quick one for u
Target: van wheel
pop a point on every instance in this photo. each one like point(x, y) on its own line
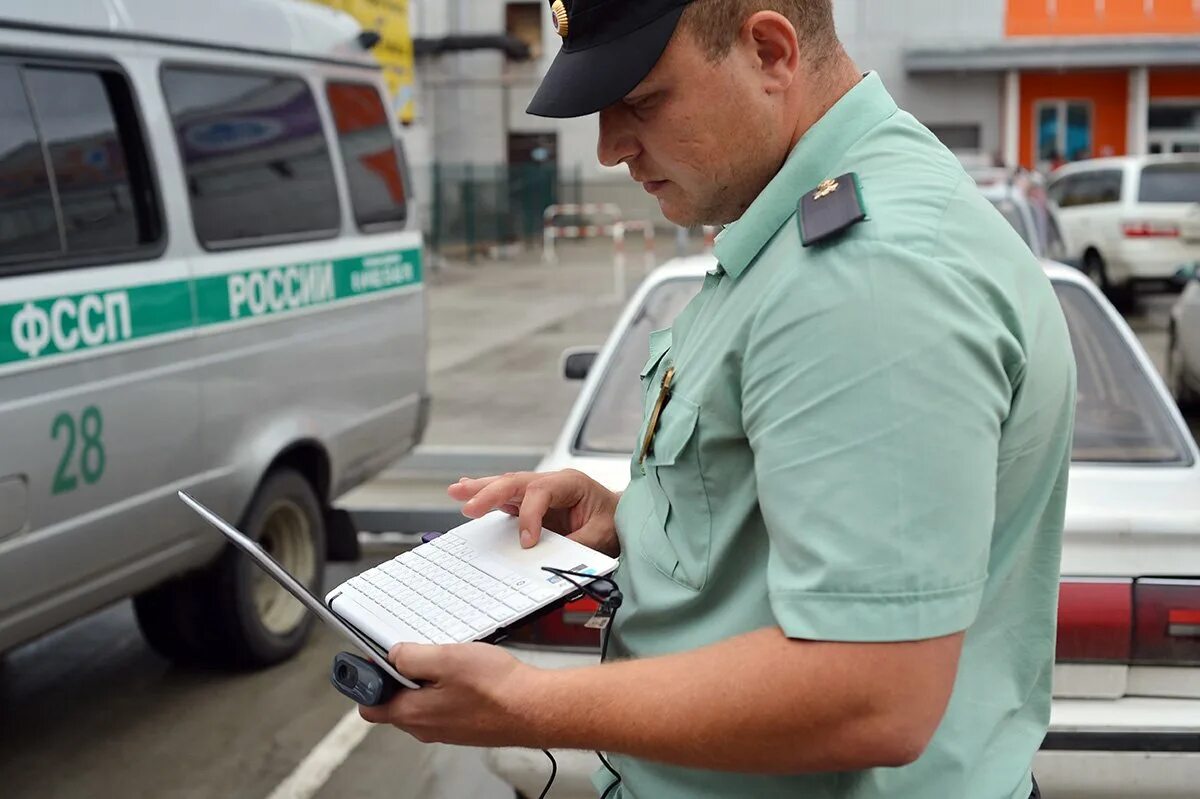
point(1121, 296)
point(231, 614)
point(1093, 268)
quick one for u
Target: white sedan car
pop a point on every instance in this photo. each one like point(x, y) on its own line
point(1126, 713)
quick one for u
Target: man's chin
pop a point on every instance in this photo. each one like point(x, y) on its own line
point(677, 214)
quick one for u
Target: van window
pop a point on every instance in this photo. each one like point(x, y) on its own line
point(1088, 188)
point(74, 176)
point(1106, 187)
point(28, 225)
point(86, 158)
point(1171, 183)
point(1060, 188)
point(369, 154)
point(1076, 190)
point(257, 164)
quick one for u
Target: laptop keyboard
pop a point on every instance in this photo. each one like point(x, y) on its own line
point(450, 593)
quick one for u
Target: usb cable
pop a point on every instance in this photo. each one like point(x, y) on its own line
point(606, 592)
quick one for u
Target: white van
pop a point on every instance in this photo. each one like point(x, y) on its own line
point(210, 280)
point(1130, 220)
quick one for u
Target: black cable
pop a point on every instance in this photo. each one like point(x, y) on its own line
point(553, 774)
point(610, 787)
point(603, 654)
point(601, 589)
point(610, 599)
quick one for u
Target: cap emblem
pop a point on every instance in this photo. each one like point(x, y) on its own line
point(560, 17)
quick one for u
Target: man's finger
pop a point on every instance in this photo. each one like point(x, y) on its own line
point(539, 498)
point(377, 714)
point(507, 490)
point(468, 487)
point(419, 661)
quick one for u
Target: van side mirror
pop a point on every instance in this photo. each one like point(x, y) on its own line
point(577, 362)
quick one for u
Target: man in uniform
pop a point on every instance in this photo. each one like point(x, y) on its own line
point(840, 544)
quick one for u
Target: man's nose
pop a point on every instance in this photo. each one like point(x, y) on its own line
point(617, 143)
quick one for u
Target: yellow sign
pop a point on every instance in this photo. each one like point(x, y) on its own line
point(388, 18)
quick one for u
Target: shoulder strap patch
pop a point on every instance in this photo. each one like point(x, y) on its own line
point(830, 209)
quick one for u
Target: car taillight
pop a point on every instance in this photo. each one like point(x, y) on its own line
point(1167, 625)
point(1095, 620)
point(562, 628)
point(1149, 621)
point(1150, 230)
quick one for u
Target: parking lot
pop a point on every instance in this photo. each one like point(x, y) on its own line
point(91, 711)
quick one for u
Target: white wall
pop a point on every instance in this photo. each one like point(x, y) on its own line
point(877, 32)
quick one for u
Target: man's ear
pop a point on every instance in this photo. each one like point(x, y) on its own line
point(770, 40)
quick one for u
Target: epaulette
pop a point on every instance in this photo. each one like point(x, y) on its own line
point(830, 209)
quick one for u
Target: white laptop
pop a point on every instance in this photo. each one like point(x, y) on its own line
point(474, 583)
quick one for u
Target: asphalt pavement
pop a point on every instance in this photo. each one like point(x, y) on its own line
point(90, 711)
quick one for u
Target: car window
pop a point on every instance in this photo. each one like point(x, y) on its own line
point(369, 154)
point(615, 414)
point(1120, 417)
point(258, 168)
point(1056, 246)
point(1012, 214)
point(1170, 183)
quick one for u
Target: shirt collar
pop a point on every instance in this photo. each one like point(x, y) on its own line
point(825, 143)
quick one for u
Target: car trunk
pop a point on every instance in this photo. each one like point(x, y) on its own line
point(1129, 610)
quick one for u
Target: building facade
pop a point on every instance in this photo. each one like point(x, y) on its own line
point(1027, 82)
point(1081, 78)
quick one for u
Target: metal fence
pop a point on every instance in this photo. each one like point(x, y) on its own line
point(473, 208)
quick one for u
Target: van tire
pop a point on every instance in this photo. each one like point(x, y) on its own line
point(1123, 297)
point(211, 617)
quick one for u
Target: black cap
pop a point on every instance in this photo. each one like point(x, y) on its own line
point(609, 47)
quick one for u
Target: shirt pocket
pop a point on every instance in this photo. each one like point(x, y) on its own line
point(678, 544)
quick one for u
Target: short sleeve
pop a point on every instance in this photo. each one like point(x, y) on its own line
point(875, 385)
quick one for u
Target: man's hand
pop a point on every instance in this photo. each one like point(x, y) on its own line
point(567, 502)
point(472, 696)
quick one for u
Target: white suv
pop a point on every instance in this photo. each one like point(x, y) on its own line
point(1131, 219)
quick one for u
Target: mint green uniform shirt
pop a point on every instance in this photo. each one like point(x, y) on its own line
point(868, 440)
